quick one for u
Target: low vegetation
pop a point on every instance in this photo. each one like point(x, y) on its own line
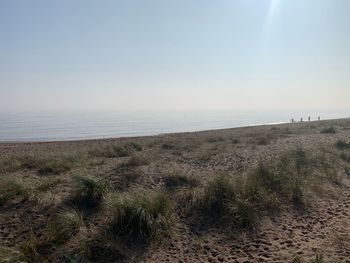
point(57, 165)
point(103, 246)
point(94, 219)
point(110, 152)
point(65, 225)
point(136, 160)
point(91, 189)
point(223, 200)
point(342, 145)
point(179, 145)
point(116, 151)
point(168, 146)
point(11, 188)
point(177, 179)
point(240, 203)
point(263, 140)
point(31, 249)
point(43, 165)
point(9, 255)
point(47, 184)
point(127, 178)
point(345, 156)
point(140, 216)
point(214, 139)
point(330, 130)
point(236, 141)
point(134, 146)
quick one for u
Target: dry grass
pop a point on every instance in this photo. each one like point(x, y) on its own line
point(42, 164)
point(222, 201)
point(214, 139)
point(141, 216)
point(177, 179)
point(240, 203)
point(90, 190)
point(9, 255)
point(65, 225)
point(136, 160)
point(110, 152)
point(121, 220)
point(342, 145)
point(127, 178)
point(329, 130)
point(11, 188)
point(104, 246)
point(116, 151)
point(47, 184)
point(30, 250)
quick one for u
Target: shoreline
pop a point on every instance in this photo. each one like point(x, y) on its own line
point(77, 140)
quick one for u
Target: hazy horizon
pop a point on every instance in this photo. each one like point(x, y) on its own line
point(175, 55)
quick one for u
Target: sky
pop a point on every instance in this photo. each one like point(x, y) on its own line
point(174, 55)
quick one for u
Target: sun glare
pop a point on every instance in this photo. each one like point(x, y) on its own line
point(273, 8)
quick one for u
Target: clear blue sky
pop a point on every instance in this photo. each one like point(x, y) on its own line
point(183, 54)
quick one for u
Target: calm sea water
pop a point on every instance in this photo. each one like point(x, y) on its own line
point(57, 126)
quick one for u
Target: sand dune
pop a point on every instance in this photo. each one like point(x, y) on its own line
point(38, 181)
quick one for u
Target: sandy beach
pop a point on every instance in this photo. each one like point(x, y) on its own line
point(180, 165)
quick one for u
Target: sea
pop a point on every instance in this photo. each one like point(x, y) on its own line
point(36, 126)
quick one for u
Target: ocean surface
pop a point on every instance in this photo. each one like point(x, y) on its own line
point(75, 125)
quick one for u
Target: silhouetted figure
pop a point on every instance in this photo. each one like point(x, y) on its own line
point(319, 118)
point(292, 120)
point(309, 118)
point(301, 120)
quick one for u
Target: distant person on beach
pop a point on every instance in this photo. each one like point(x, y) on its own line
point(319, 118)
point(301, 120)
point(309, 118)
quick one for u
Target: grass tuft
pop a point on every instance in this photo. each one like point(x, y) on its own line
point(329, 130)
point(345, 157)
point(263, 140)
point(43, 165)
point(342, 145)
point(222, 200)
point(11, 188)
point(30, 249)
point(126, 179)
point(110, 152)
point(236, 141)
point(240, 204)
point(9, 255)
point(140, 216)
point(57, 165)
point(177, 180)
point(136, 160)
point(297, 259)
point(347, 170)
point(319, 258)
point(285, 176)
point(105, 246)
point(91, 189)
point(65, 225)
point(116, 151)
point(214, 139)
point(46, 185)
point(135, 146)
point(168, 146)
